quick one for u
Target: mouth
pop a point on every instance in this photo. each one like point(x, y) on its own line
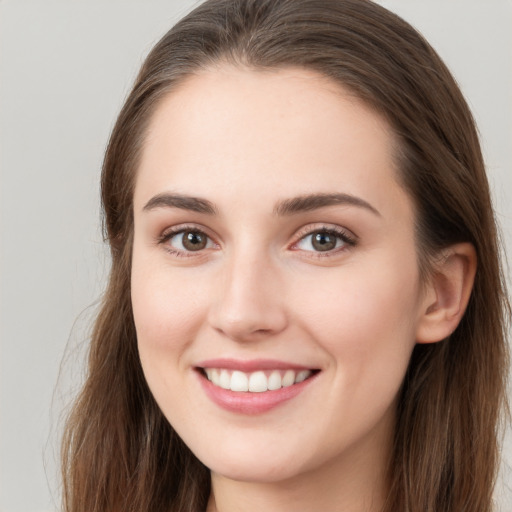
point(253, 387)
point(259, 381)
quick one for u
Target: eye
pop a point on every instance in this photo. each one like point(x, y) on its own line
point(187, 240)
point(325, 240)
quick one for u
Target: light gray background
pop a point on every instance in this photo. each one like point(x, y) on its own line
point(65, 67)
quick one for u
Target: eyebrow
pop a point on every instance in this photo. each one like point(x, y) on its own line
point(194, 204)
point(283, 208)
point(315, 201)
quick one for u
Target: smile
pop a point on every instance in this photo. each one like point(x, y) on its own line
point(253, 387)
point(255, 382)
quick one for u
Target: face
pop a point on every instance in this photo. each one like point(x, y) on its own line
point(275, 283)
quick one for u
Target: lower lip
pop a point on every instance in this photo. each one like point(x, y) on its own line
point(252, 403)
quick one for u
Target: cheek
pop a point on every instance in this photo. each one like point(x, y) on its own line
point(167, 310)
point(168, 314)
point(365, 320)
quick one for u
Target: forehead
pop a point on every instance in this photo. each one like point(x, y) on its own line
point(288, 129)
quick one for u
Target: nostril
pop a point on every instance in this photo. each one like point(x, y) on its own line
point(249, 325)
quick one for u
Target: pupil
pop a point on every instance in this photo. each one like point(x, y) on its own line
point(193, 241)
point(324, 241)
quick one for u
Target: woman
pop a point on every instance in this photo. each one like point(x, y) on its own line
point(305, 309)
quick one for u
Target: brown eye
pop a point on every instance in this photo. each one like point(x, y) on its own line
point(194, 240)
point(189, 240)
point(323, 241)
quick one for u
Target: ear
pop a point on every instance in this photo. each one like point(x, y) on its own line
point(447, 293)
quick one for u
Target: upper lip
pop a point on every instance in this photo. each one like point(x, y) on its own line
point(252, 365)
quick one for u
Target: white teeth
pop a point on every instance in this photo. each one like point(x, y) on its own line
point(302, 375)
point(288, 378)
point(224, 380)
point(274, 381)
point(239, 381)
point(256, 382)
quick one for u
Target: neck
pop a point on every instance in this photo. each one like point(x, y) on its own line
point(355, 482)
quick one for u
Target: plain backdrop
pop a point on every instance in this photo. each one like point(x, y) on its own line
point(65, 67)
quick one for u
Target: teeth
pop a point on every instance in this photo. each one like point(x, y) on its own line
point(302, 375)
point(288, 379)
point(274, 381)
point(239, 381)
point(224, 380)
point(256, 382)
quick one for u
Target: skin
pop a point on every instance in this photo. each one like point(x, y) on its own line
point(245, 141)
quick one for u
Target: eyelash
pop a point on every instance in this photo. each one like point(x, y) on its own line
point(346, 238)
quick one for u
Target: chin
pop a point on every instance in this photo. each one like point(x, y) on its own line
point(263, 471)
point(250, 461)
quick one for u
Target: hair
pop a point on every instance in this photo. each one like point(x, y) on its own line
point(119, 452)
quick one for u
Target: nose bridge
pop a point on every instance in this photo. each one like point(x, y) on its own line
point(249, 302)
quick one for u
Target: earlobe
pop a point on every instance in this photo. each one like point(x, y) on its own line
point(448, 293)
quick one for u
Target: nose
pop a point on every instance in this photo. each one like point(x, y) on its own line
point(250, 304)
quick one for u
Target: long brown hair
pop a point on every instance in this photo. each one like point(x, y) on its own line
point(119, 452)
